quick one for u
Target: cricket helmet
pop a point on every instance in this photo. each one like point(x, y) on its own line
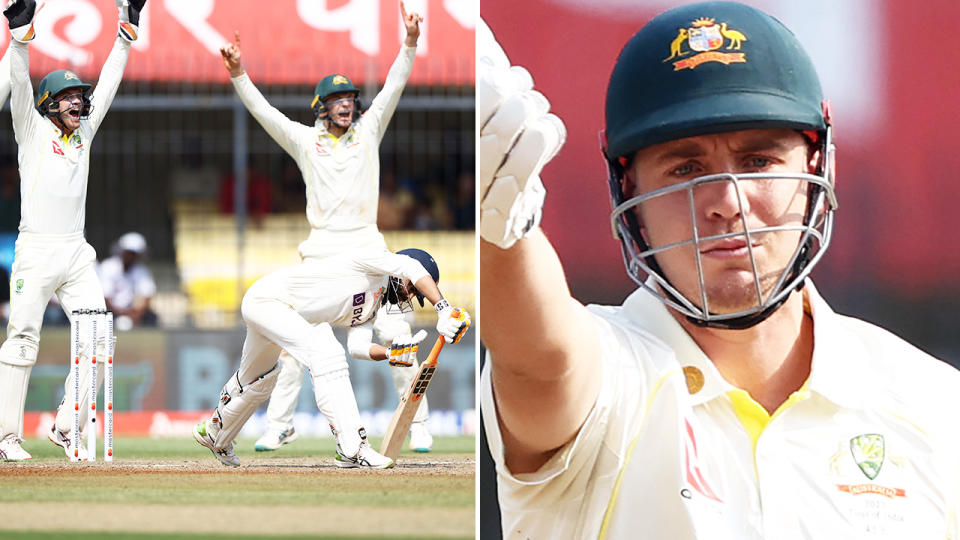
point(396, 283)
point(333, 84)
point(707, 68)
point(56, 82)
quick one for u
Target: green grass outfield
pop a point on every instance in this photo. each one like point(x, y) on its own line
point(175, 488)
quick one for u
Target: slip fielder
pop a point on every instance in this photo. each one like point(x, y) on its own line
point(54, 132)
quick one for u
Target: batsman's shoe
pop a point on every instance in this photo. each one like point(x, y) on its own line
point(272, 440)
point(226, 455)
point(367, 457)
point(10, 449)
point(62, 440)
point(420, 438)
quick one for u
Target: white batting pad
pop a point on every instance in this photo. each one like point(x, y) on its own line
point(239, 402)
point(13, 395)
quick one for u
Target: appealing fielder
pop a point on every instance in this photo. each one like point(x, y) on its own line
point(54, 134)
point(724, 398)
point(339, 160)
point(286, 309)
point(388, 326)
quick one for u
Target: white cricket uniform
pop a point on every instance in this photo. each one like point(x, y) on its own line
point(866, 449)
point(283, 399)
point(342, 175)
point(342, 178)
point(287, 308)
point(51, 254)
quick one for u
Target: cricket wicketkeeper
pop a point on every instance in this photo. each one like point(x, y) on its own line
point(54, 131)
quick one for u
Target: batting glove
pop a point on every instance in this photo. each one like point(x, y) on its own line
point(129, 13)
point(452, 323)
point(19, 14)
point(517, 137)
point(403, 351)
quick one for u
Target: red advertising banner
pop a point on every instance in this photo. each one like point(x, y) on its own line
point(283, 42)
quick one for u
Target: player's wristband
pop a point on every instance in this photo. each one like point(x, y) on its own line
point(441, 305)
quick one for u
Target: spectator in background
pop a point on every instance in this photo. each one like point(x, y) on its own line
point(128, 286)
point(258, 194)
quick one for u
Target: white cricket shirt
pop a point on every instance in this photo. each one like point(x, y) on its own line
point(54, 169)
point(866, 449)
point(342, 175)
point(343, 290)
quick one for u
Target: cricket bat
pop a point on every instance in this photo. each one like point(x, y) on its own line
point(403, 416)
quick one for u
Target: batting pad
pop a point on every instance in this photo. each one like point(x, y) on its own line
point(239, 402)
point(13, 395)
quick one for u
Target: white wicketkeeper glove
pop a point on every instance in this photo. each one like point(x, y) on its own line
point(129, 23)
point(19, 14)
point(452, 323)
point(403, 351)
point(517, 137)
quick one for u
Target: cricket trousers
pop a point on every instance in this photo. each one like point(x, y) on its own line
point(44, 265)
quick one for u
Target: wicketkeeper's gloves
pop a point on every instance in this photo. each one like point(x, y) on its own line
point(452, 323)
point(403, 351)
point(19, 14)
point(517, 137)
point(129, 23)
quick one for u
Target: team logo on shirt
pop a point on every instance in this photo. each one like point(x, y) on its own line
point(19, 286)
point(358, 300)
point(867, 450)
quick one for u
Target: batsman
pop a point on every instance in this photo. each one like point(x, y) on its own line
point(286, 310)
point(54, 132)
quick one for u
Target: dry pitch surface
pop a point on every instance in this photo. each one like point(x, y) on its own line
point(174, 488)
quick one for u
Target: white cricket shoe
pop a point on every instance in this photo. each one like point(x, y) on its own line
point(366, 457)
point(10, 449)
point(420, 438)
point(62, 440)
point(226, 455)
point(272, 440)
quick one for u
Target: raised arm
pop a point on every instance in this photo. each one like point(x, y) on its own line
point(20, 15)
point(543, 343)
point(128, 30)
point(385, 103)
point(110, 76)
point(279, 127)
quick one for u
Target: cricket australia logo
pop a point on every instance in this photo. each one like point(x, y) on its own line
point(705, 36)
point(19, 286)
point(868, 452)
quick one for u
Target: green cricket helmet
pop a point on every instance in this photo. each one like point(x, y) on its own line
point(707, 68)
point(56, 82)
point(333, 84)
